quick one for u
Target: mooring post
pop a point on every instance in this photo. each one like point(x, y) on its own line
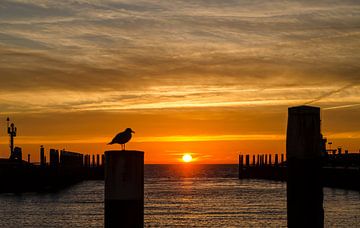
point(253, 161)
point(241, 161)
point(103, 159)
point(42, 156)
point(266, 159)
point(247, 160)
point(282, 160)
point(241, 164)
point(97, 160)
point(276, 163)
point(304, 188)
point(28, 158)
point(124, 189)
point(270, 159)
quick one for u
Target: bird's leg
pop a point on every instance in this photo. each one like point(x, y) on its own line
point(124, 146)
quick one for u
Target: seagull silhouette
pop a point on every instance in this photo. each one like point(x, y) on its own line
point(122, 138)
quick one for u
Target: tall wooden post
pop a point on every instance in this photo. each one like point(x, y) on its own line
point(304, 188)
point(124, 188)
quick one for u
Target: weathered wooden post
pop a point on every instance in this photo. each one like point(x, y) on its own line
point(282, 159)
point(93, 160)
point(241, 164)
point(28, 158)
point(253, 160)
point(266, 159)
point(304, 188)
point(124, 189)
point(42, 156)
point(276, 163)
point(247, 160)
point(97, 160)
point(270, 161)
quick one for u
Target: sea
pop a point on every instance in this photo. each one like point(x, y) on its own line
point(178, 196)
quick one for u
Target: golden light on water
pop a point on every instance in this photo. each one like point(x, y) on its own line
point(187, 158)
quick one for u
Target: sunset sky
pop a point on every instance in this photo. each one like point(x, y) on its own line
point(207, 77)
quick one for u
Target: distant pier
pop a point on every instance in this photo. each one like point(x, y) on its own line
point(339, 170)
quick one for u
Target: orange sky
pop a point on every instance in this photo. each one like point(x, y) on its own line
point(210, 78)
point(210, 135)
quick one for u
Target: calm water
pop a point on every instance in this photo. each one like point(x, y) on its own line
point(183, 195)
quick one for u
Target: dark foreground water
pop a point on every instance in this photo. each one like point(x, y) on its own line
point(181, 195)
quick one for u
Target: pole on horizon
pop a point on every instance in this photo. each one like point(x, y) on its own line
point(241, 164)
point(247, 160)
point(266, 159)
point(42, 156)
point(304, 188)
point(124, 188)
point(276, 163)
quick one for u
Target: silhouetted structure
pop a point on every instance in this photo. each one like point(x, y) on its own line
point(304, 188)
point(124, 189)
point(54, 158)
point(11, 130)
point(42, 156)
point(16, 154)
point(122, 138)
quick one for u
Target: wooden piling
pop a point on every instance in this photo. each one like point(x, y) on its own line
point(247, 160)
point(124, 189)
point(42, 156)
point(266, 159)
point(282, 159)
point(28, 158)
point(276, 162)
point(97, 160)
point(253, 160)
point(304, 189)
point(270, 161)
point(241, 161)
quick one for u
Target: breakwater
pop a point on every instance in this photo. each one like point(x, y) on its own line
point(63, 169)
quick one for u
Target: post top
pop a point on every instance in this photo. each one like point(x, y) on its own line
point(304, 109)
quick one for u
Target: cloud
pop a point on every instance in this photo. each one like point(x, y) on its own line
point(114, 55)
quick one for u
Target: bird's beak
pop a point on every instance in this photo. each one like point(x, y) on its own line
point(133, 132)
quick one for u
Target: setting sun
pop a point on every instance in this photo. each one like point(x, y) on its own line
point(187, 158)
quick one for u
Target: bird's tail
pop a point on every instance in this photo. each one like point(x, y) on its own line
point(110, 143)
